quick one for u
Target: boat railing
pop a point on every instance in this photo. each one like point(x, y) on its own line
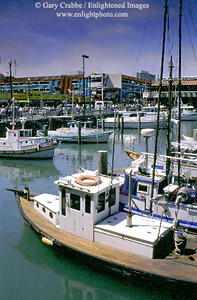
point(172, 157)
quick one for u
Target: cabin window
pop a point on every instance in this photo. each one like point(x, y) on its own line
point(112, 197)
point(43, 209)
point(101, 202)
point(63, 202)
point(143, 188)
point(75, 201)
point(37, 204)
point(88, 204)
point(51, 215)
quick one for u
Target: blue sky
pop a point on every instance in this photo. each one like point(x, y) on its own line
point(44, 44)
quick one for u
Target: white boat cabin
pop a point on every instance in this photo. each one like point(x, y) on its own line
point(88, 207)
point(80, 207)
point(17, 139)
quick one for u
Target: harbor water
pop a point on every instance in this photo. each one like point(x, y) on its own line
point(31, 270)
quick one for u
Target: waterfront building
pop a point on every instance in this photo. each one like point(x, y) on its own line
point(145, 75)
point(118, 88)
point(188, 91)
point(115, 87)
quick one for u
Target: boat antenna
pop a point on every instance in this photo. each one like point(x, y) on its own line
point(179, 93)
point(159, 100)
point(168, 152)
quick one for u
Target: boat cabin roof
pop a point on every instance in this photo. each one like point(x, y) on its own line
point(103, 182)
point(160, 174)
point(145, 228)
point(19, 132)
point(49, 201)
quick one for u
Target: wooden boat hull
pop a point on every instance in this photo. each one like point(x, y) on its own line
point(172, 268)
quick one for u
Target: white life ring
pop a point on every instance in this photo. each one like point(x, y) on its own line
point(88, 180)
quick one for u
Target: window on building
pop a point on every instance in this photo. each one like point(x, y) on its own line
point(88, 204)
point(112, 197)
point(101, 202)
point(75, 201)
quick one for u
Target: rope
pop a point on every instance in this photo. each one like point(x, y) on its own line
point(143, 38)
point(192, 19)
point(190, 36)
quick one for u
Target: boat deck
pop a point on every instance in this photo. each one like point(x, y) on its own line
point(173, 267)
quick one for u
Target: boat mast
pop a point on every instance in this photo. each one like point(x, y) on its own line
point(179, 91)
point(168, 152)
point(159, 100)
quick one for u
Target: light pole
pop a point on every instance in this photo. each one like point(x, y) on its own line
point(10, 68)
point(29, 92)
point(84, 56)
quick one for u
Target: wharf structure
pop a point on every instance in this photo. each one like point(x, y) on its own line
point(117, 88)
point(188, 91)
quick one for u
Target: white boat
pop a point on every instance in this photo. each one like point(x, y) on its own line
point(135, 120)
point(188, 113)
point(88, 135)
point(188, 162)
point(20, 144)
point(85, 217)
point(180, 202)
point(187, 146)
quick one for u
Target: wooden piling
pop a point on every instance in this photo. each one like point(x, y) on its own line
point(139, 121)
point(102, 162)
point(122, 125)
point(103, 124)
point(118, 121)
point(79, 132)
point(195, 134)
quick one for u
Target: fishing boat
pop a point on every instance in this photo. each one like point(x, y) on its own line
point(135, 120)
point(85, 218)
point(80, 131)
point(188, 113)
point(178, 201)
point(187, 160)
point(20, 144)
point(188, 148)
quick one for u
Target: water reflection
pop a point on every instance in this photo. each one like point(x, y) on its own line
point(78, 281)
point(74, 155)
point(22, 171)
point(82, 282)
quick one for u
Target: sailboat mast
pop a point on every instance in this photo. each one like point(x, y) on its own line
point(159, 100)
point(168, 152)
point(179, 92)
